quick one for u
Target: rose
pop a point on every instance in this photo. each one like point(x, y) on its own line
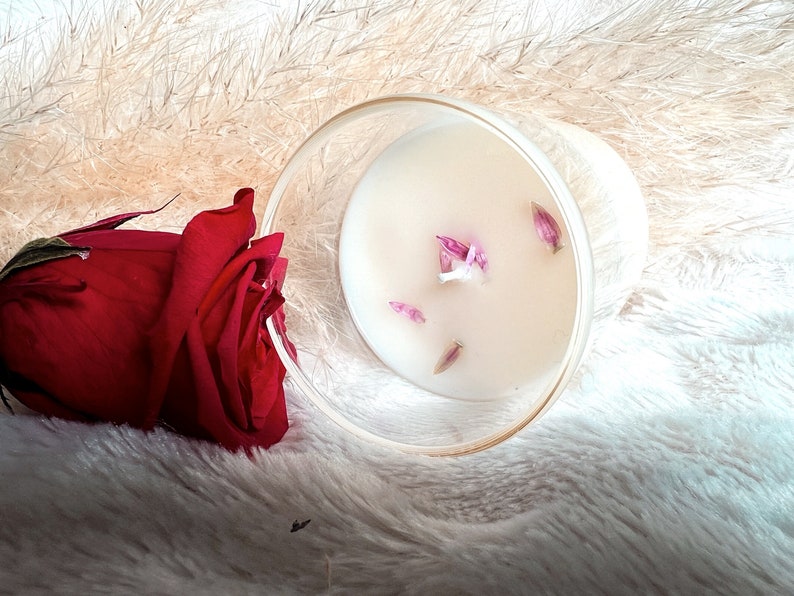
point(140, 327)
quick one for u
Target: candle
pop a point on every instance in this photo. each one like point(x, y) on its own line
point(448, 267)
point(506, 323)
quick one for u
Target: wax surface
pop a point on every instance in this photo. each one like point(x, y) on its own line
point(514, 321)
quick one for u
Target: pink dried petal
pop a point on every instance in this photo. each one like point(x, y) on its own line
point(482, 260)
point(444, 261)
point(454, 247)
point(448, 358)
point(472, 252)
point(480, 257)
point(408, 311)
point(547, 228)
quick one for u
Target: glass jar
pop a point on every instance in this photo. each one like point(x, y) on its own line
point(361, 203)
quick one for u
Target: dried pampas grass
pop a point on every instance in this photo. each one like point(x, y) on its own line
point(130, 103)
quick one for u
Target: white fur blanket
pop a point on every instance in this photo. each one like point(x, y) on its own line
point(666, 467)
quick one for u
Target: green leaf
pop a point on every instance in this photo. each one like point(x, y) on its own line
point(40, 251)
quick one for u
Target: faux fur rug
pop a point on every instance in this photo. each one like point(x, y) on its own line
point(665, 468)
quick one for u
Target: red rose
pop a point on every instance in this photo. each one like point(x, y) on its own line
point(137, 327)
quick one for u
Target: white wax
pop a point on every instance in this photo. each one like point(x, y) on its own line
point(514, 321)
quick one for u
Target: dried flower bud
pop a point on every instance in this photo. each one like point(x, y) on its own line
point(455, 250)
point(547, 228)
point(448, 358)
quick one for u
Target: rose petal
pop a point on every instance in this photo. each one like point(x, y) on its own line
point(194, 406)
point(209, 242)
point(79, 329)
point(222, 326)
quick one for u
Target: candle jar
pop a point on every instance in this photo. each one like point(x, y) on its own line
point(449, 267)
